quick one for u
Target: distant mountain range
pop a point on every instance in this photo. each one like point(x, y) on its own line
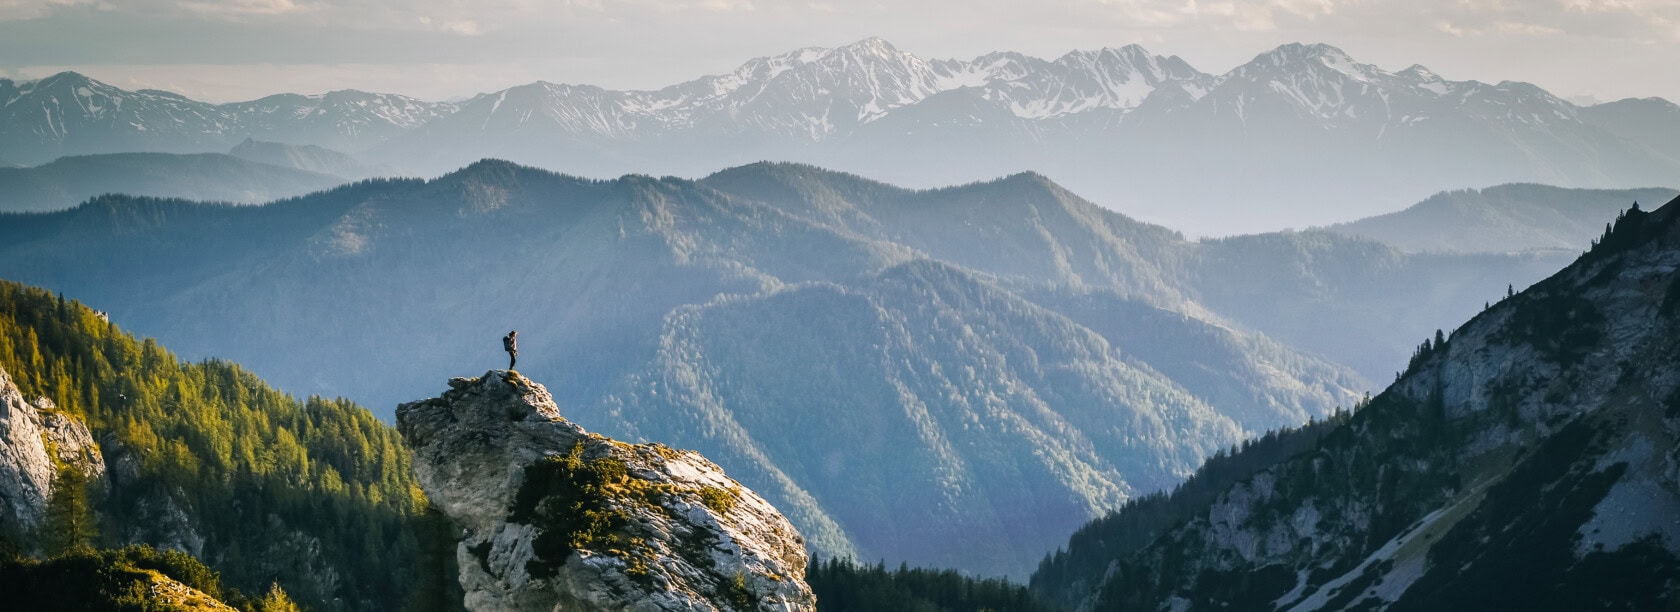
point(1525, 461)
point(1301, 135)
point(70, 114)
point(1005, 357)
point(311, 158)
point(211, 177)
point(1503, 219)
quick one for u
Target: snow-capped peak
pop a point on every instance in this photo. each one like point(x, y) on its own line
point(1296, 57)
point(1425, 79)
point(873, 45)
point(1083, 80)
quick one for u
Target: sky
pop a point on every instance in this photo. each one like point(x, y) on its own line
point(234, 50)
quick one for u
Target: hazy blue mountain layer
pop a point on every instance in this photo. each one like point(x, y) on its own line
point(890, 367)
point(1357, 302)
point(1302, 135)
point(212, 177)
point(1502, 219)
point(307, 157)
point(1534, 445)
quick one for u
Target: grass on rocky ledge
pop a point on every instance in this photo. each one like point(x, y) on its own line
point(587, 503)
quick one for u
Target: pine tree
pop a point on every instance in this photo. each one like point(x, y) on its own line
point(70, 522)
point(275, 600)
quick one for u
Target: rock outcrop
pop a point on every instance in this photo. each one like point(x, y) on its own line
point(25, 469)
point(32, 436)
point(559, 518)
point(1530, 460)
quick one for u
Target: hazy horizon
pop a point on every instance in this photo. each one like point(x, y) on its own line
point(247, 49)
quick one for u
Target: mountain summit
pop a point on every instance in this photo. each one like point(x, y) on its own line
point(558, 518)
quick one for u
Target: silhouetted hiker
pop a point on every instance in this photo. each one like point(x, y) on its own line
point(510, 343)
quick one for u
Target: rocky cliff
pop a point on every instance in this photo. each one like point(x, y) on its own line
point(559, 518)
point(34, 441)
point(1528, 461)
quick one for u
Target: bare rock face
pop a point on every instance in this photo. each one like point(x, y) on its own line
point(27, 431)
point(25, 469)
point(557, 518)
point(71, 441)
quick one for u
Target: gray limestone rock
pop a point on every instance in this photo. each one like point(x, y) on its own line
point(557, 518)
point(26, 470)
point(70, 440)
point(27, 431)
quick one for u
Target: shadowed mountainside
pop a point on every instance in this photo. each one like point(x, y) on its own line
point(967, 343)
point(1535, 444)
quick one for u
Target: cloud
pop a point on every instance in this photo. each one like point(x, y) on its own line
point(243, 7)
point(727, 5)
point(1600, 6)
point(1241, 15)
point(18, 10)
point(1524, 29)
point(1638, 19)
point(1348, 18)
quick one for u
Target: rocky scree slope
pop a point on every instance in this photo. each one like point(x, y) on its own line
point(1540, 446)
point(558, 518)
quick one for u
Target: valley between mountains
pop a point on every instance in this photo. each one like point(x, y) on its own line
point(1037, 332)
point(895, 369)
point(946, 378)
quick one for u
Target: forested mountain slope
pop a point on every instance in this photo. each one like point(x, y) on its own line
point(990, 335)
point(1535, 446)
point(316, 494)
point(1358, 302)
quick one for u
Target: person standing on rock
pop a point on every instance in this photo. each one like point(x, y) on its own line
point(510, 343)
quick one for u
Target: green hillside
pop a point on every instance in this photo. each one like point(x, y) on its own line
point(132, 579)
point(315, 494)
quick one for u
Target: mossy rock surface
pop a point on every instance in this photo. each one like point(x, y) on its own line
point(555, 515)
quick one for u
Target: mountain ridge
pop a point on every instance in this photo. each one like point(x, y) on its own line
point(215, 177)
point(1505, 218)
point(611, 281)
point(1536, 442)
point(648, 301)
point(1301, 128)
